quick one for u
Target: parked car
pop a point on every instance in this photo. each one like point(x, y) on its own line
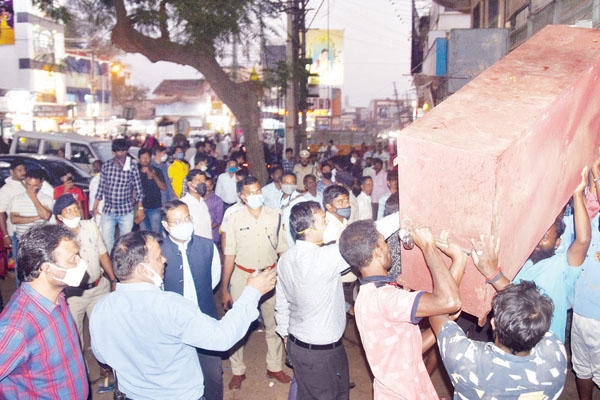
point(52, 167)
point(81, 150)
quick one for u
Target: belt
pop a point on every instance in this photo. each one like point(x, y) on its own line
point(309, 346)
point(251, 271)
point(91, 285)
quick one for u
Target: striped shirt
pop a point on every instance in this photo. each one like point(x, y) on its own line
point(119, 188)
point(40, 356)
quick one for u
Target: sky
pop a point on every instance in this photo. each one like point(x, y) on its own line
point(376, 49)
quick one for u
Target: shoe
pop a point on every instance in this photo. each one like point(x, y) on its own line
point(280, 376)
point(236, 382)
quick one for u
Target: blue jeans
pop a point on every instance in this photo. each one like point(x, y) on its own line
point(108, 223)
point(152, 220)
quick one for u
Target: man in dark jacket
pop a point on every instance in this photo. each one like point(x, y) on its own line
point(193, 270)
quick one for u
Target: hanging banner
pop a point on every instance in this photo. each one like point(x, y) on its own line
point(326, 48)
point(7, 22)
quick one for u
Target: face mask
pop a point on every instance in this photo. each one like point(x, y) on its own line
point(353, 160)
point(72, 223)
point(201, 188)
point(73, 276)
point(183, 231)
point(344, 212)
point(164, 158)
point(255, 201)
point(288, 189)
point(327, 175)
point(233, 170)
point(156, 279)
point(179, 156)
point(203, 168)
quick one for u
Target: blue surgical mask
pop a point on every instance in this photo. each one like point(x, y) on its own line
point(179, 156)
point(183, 231)
point(233, 170)
point(344, 212)
point(255, 201)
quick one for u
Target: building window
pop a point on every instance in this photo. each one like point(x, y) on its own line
point(492, 13)
point(477, 16)
point(27, 145)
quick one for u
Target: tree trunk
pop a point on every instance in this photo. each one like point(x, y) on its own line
point(240, 97)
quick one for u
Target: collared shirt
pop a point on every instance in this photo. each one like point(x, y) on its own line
point(379, 186)
point(168, 193)
point(272, 195)
point(318, 198)
point(10, 189)
point(94, 184)
point(152, 194)
point(216, 209)
point(254, 241)
point(40, 356)
point(321, 186)
point(365, 208)
point(334, 229)
point(481, 370)
point(149, 336)
point(309, 296)
point(226, 188)
point(387, 323)
point(23, 205)
point(301, 171)
point(555, 278)
point(229, 212)
point(381, 204)
point(200, 215)
point(287, 165)
point(91, 247)
point(75, 191)
point(117, 187)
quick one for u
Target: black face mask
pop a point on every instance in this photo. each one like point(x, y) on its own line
point(327, 175)
point(201, 189)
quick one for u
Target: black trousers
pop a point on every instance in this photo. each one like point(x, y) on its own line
point(321, 374)
point(212, 371)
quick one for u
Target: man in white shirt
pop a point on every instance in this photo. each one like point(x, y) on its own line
point(272, 192)
point(196, 183)
point(13, 186)
point(312, 194)
point(31, 207)
point(365, 210)
point(226, 184)
point(310, 309)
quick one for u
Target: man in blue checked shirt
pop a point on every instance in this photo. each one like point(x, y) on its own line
point(120, 187)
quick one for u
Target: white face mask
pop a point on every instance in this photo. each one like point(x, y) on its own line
point(73, 276)
point(156, 279)
point(164, 157)
point(288, 189)
point(71, 223)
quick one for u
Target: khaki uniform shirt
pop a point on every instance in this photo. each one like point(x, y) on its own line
point(91, 248)
point(301, 172)
point(254, 241)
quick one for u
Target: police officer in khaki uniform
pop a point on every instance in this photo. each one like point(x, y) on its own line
point(255, 237)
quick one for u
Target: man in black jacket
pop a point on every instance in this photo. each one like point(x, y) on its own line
point(193, 270)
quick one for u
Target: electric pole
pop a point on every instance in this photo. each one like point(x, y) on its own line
point(291, 50)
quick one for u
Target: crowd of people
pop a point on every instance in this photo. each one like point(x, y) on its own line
point(315, 246)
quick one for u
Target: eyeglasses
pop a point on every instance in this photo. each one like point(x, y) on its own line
point(180, 221)
point(72, 210)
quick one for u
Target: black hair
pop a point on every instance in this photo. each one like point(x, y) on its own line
point(289, 149)
point(193, 172)
point(332, 192)
point(307, 177)
point(289, 174)
point(35, 174)
point(377, 161)
point(15, 163)
point(242, 172)
point(364, 179)
point(523, 316)
point(559, 226)
point(358, 242)
point(158, 149)
point(145, 150)
point(64, 171)
point(199, 157)
point(247, 181)
point(302, 218)
point(392, 205)
point(325, 164)
point(275, 167)
point(36, 247)
point(120, 145)
point(129, 251)
point(393, 174)
point(199, 144)
point(170, 205)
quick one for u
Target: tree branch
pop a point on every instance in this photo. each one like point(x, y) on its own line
point(162, 20)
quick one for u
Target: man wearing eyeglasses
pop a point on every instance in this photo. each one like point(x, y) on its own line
point(193, 270)
point(255, 238)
